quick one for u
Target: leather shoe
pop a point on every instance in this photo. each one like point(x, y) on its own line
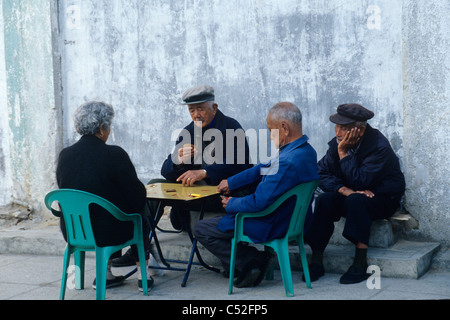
point(149, 284)
point(117, 281)
point(254, 273)
point(354, 274)
point(126, 260)
point(248, 279)
point(315, 272)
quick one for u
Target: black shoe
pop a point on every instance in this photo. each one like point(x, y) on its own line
point(315, 272)
point(126, 260)
point(354, 274)
point(117, 281)
point(149, 284)
point(248, 279)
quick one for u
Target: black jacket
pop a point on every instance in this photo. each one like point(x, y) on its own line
point(91, 165)
point(373, 166)
point(216, 171)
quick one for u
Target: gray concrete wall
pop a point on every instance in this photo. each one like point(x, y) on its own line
point(426, 109)
point(141, 55)
point(5, 168)
point(29, 116)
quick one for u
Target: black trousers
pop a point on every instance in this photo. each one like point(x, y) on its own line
point(359, 211)
point(219, 244)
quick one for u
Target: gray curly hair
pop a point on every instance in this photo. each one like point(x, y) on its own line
point(90, 116)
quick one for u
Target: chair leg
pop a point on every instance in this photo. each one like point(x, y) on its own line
point(79, 258)
point(232, 262)
point(301, 247)
point(285, 268)
point(101, 267)
point(64, 273)
point(142, 262)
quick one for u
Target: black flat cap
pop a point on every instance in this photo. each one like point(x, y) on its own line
point(349, 113)
point(198, 94)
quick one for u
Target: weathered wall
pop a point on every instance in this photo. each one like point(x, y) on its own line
point(390, 56)
point(29, 109)
point(5, 168)
point(141, 56)
point(426, 36)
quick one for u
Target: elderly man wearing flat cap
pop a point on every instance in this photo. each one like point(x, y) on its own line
point(182, 165)
point(362, 181)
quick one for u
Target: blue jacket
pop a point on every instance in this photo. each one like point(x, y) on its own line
point(296, 163)
point(216, 171)
point(372, 166)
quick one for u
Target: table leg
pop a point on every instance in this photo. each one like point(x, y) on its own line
point(153, 222)
point(194, 249)
point(153, 226)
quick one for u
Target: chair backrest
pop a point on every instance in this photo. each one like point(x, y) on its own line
point(303, 193)
point(75, 209)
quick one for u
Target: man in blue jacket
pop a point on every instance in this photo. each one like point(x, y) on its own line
point(295, 163)
point(362, 181)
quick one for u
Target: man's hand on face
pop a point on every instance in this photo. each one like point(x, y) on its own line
point(351, 140)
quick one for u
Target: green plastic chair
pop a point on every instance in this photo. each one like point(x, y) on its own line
point(80, 237)
point(303, 193)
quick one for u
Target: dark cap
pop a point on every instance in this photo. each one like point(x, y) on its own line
point(198, 94)
point(349, 113)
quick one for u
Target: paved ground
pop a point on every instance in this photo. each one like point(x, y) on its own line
point(38, 277)
point(31, 269)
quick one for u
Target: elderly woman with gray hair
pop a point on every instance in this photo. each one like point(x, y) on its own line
point(105, 170)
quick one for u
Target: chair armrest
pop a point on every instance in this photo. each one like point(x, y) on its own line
point(240, 216)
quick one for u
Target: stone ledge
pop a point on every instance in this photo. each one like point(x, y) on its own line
point(405, 259)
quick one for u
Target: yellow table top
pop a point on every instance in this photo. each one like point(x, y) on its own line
point(176, 191)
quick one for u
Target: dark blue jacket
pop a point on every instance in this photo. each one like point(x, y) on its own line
point(296, 163)
point(373, 166)
point(239, 161)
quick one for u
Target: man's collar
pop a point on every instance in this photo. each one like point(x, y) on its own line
point(294, 144)
point(213, 122)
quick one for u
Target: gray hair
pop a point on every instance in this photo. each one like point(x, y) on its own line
point(89, 117)
point(286, 111)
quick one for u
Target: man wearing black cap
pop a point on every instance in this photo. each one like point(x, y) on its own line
point(198, 157)
point(362, 181)
point(189, 162)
